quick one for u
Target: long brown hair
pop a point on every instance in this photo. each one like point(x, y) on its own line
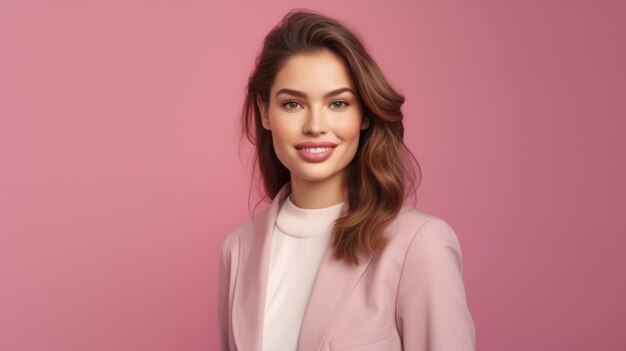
point(383, 172)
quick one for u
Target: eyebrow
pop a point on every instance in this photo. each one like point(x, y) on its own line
point(304, 96)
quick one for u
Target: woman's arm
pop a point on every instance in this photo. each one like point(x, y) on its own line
point(431, 310)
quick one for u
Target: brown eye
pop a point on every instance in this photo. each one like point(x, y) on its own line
point(291, 105)
point(339, 104)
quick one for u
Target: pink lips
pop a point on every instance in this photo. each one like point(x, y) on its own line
point(315, 151)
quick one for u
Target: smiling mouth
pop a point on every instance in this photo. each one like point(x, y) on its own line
point(315, 150)
point(315, 153)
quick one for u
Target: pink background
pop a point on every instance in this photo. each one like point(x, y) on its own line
point(120, 175)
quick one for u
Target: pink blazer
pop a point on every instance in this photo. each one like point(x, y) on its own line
point(409, 297)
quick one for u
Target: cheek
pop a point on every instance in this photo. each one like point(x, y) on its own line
point(282, 134)
point(280, 147)
point(349, 130)
point(283, 137)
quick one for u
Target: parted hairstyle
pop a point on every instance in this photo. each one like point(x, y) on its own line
point(383, 172)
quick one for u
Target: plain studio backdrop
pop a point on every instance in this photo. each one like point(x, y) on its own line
point(120, 173)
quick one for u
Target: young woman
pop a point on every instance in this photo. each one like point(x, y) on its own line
point(337, 262)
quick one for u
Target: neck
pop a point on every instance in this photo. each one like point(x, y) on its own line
point(311, 195)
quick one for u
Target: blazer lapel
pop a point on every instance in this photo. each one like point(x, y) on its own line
point(251, 284)
point(333, 285)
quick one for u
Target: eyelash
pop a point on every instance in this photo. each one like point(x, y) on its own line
point(345, 104)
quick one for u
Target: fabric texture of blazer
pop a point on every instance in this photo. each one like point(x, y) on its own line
point(408, 297)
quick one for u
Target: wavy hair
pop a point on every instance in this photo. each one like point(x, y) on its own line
point(383, 172)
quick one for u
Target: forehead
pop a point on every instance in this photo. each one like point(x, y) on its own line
point(313, 73)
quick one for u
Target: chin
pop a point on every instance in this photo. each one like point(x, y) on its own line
point(313, 177)
point(316, 176)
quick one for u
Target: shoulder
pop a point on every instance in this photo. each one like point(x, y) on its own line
point(415, 223)
point(431, 303)
point(428, 237)
point(249, 227)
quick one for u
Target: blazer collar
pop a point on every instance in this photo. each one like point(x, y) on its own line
point(334, 282)
point(251, 282)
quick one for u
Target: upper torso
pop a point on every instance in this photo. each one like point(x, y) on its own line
point(410, 296)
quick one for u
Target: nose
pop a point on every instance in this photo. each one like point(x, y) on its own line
point(315, 123)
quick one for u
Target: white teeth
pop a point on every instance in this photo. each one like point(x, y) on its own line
point(316, 150)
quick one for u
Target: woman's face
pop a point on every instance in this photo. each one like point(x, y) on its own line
point(314, 116)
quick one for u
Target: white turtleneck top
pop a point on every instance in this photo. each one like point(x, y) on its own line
point(299, 242)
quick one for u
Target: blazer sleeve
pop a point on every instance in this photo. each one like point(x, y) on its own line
point(431, 310)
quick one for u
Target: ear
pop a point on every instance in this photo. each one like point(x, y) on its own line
point(265, 120)
point(365, 122)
